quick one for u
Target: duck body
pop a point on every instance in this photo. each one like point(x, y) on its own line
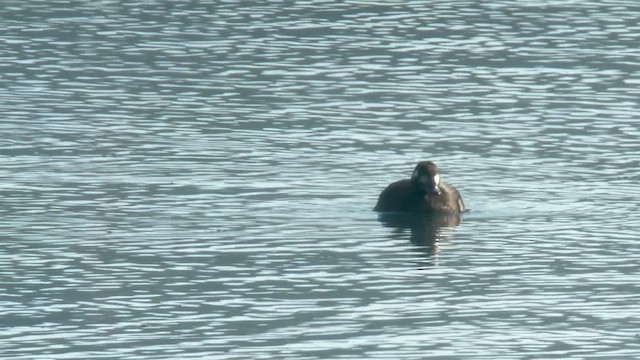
point(423, 193)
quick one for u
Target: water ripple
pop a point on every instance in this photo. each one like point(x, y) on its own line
point(196, 180)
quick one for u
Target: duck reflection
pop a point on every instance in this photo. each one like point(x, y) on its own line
point(425, 228)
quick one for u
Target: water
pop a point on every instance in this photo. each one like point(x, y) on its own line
point(195, 180)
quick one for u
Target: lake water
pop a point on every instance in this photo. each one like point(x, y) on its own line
point(195, 180)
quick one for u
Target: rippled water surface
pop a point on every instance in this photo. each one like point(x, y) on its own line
point(195, 180)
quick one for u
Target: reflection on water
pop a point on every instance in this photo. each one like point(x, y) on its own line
point(425, 229)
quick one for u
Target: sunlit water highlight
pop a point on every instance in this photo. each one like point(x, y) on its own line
point(195, 180)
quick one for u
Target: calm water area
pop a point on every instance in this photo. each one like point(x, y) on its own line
point(195, 179)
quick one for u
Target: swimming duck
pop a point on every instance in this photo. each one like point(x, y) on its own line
point(422, 193)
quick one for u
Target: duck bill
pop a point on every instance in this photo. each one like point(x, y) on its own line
point(434, 191)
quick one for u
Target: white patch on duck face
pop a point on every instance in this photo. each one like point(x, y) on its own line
point(436, 179)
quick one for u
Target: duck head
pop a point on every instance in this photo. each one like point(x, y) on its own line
point(425, 178)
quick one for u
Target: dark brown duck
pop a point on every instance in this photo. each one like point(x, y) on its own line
point(423, 193)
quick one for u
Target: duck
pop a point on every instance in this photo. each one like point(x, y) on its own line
point(424, 192)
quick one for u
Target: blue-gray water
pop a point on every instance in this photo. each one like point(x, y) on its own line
point(194, 180)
